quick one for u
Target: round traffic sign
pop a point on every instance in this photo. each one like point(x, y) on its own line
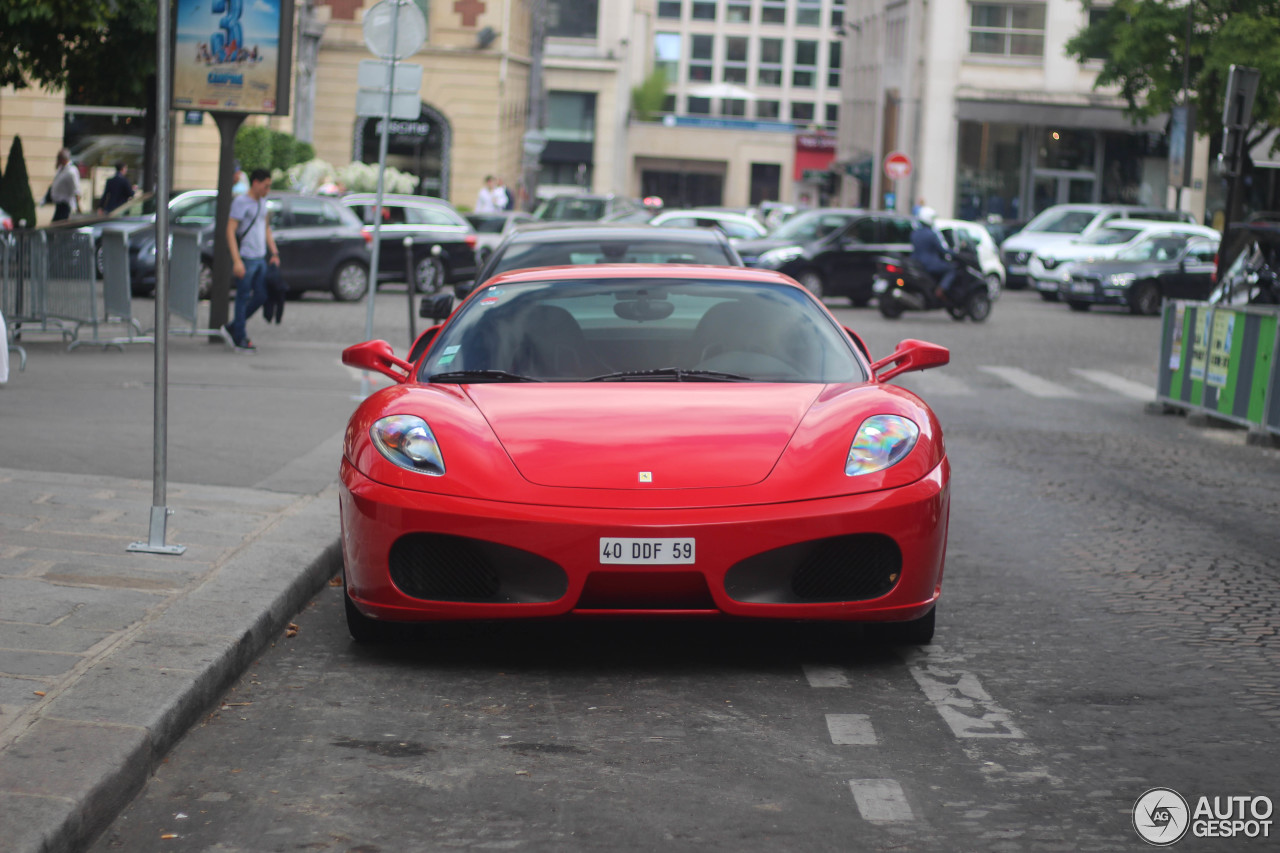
point(897, 166)
point(394, 29)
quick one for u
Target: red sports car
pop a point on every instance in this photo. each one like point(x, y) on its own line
point(661, 440)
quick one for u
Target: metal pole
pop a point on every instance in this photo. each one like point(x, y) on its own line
point(155, 543)
point(411, 276)
point(377, 205)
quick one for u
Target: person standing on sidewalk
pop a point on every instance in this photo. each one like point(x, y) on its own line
point(64, 192)
point(118, 189)
point(252, 248)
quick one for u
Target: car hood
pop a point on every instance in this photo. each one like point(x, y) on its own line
point(677, 433)
point(1024, 242)
point(1083, 251)
point(1112, 267)
point(760, 245)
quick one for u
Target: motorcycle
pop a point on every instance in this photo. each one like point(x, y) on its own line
point(903, 285)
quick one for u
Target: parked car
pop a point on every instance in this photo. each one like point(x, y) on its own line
point(643, 440)
point(1050, 267)
point(1142, 275)
point(831, 251)
point(736, 226)
point(549, 244)
point(1064, 222)
point(492, 227)
point(429, 222)
point(1253, 275)
point(586, 208)
point(323, 246)
point(955, 231)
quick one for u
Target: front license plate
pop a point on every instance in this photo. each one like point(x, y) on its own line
point(650, 552)
point(1081, 287)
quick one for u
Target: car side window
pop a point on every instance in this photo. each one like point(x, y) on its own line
point(310, 212)
point(428, 216)
point(1202, 252)
point(276, 211)
point(680, 222)
point(200, 212)
point(862, 230)
point(896, 230)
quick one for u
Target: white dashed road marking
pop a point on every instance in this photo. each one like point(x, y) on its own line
point(1029, 383)
point(959, 698)
point(825, 676)
point(935, 385)
point(1127, 387)
point(851, 729)
point(881, 800)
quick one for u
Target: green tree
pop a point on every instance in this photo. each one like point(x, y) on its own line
point(99, 51)
point(15, 187)
point(1142, 47)
point(647, 98)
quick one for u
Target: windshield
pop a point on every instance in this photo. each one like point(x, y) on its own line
point(143, 206)
point(1061, 221)
point(811, 225)
point(571, 208)
point(642, 329)
point(1112, 236)
point(535, 252)
point(1154, 249)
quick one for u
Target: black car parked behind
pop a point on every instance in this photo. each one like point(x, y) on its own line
point(428, 222)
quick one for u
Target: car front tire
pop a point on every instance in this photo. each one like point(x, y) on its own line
point(368, 631)
point(350, 281)
point(813, 282)
point(1145, 298)
point(428, 274)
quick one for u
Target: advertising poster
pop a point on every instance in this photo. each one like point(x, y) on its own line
point(1175, 352)
point(1200, 344)
point(1224, 325)
point(226, 55)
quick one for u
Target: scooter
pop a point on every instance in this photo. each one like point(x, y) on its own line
point(903, 285)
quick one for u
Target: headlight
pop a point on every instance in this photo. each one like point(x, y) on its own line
point(407, 441)
point(1121, 279)
point(775, 258)
point(882, 441)
point(150, 251)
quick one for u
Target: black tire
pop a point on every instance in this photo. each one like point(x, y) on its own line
point(979, 306)
point(957, 312)
point(1145, 298)
point(369, 631)
point(813, 282)
point(350, 281)
point(205, 286)
point(1048, 295)
point(859, 301)
point(993, 286)
point(890, 308)
point(1077, 305)
point(429, 274)
point(917, 632)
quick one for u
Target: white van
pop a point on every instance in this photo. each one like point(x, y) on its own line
point(1067, 221)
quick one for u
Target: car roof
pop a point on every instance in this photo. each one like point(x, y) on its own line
point(1134, 224)
point(567, 231)
point(624, 271)
point(397, 199)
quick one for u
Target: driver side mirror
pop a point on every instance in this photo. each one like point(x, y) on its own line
point(377, 356)
point(911, 355)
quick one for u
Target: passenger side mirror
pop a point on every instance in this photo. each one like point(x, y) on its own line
point(436, 307)
point(377, 356)
point(910, 355)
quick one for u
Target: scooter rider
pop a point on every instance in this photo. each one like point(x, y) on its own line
point(928, 251)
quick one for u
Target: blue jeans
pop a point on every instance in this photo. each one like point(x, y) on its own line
point(251, 294)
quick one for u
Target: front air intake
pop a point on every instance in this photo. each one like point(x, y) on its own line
point(441, 567)
point(857, 567)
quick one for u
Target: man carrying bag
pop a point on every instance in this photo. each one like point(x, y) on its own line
point(252, 247)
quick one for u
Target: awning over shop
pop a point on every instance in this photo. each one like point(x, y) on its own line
point(1055, 115)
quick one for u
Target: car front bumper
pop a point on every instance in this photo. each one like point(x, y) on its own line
point(794, 560)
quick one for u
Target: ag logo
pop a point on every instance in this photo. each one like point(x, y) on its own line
point(1161, 817)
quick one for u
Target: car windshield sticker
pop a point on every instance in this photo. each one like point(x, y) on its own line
point(446, 358)
point(489, 300)
point(449, 351)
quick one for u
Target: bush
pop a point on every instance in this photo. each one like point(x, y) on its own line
point(15, 188)
point(260, 147)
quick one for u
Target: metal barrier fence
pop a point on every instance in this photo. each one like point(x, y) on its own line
point(1222, 361)
point(184, 285)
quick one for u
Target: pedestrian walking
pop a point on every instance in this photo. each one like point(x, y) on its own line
point(64, 192)
point(486, 201)
point(501, 200)
point(252, 248)
point(117, 191)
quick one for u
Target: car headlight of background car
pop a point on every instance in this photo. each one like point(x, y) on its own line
point(1120, 279)
point(881, 442)
point(407, 441)
point(775, 258)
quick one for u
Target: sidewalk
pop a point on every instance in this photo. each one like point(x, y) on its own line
point(107, 657)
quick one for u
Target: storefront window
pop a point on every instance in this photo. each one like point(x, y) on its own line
point(989, 171)
point(1135, 168)
point(1067, 149)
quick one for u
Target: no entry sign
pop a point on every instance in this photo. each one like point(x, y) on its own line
point(897, 166)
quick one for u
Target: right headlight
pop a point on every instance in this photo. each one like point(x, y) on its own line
point(775, 258)
point(407, 441)
point(881, 442)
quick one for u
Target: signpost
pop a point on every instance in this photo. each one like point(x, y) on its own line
point(897, 166)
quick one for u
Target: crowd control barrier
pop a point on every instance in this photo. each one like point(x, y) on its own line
point(117, 291)
point(184, 285)
point(1222, 361)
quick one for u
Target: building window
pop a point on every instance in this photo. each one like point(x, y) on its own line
point(833, 65)
point(572, 18)
point(669, 104)
point(666, 55)
point(704, 11)
point(735, 59)
point(801, 112)
point(768, 110)
point(699, 106)
point(738, 11)
point(804, 75)
point(1096, 14)
point(809, 13)
point(700, 59)
point(571, 116)
point(670, 9)
point(833, 116)
point(1006, 29)
point(773, 12)
point(837, 13)
point(733, 107)
point(770, 71)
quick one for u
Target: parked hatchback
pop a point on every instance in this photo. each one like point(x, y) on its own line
point(831, 251)
point(429, 223)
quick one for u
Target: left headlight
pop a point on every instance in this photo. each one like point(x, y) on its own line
point(407, 441)
point(1121, 279)
point(882, 441)
point(775, 258)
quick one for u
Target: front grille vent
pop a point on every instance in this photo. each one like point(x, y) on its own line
point(441, 567)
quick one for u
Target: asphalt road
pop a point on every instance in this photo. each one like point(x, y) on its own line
point(1108, 625)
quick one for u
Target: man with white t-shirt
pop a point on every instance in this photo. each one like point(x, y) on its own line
point(252, 247)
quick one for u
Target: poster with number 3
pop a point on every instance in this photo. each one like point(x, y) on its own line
point(227, 55)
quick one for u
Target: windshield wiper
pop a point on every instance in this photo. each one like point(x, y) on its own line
point(474, 376)
point(679, 374)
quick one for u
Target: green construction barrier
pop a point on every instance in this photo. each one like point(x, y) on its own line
point(1222, 361)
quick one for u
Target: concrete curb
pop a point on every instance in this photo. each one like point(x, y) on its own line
point(91, 750)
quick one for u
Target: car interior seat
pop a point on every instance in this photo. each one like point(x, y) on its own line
point(551, 345)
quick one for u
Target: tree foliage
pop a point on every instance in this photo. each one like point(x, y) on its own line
point(647, 98)
point(1143, 50)
point(15, 188)
point(99, 51)
point(260, 147)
